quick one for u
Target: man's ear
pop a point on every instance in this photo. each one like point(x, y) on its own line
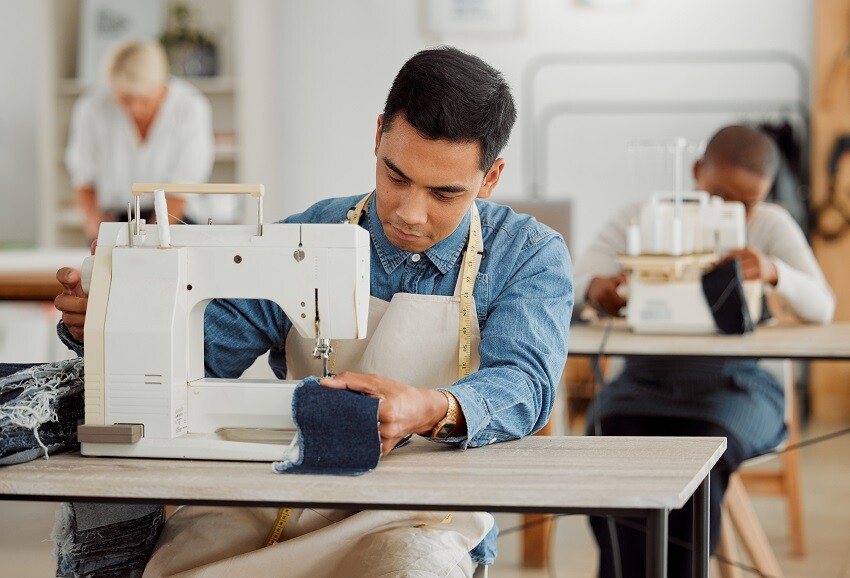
point(379, 132)
point(698, 164)
point(491, 179)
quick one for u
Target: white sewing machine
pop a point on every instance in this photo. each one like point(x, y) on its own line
point(145, 391)
point(677, 238)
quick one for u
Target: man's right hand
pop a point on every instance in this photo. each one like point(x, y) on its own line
point(602, 294)
point(72, 302)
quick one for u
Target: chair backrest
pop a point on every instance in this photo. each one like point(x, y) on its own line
point(555, 214)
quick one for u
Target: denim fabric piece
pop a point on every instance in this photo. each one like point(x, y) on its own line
point(337, 431)
point(100, 540)
point(39, 409)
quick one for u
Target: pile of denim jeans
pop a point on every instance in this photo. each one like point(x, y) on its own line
point(40, 406)
point(100, 540)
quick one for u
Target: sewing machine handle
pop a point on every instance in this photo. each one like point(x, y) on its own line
point(140, 189)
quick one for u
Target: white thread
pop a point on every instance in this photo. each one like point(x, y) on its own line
point(160, 207)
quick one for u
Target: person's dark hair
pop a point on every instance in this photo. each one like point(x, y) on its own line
point(445, 93)
point(745, 147)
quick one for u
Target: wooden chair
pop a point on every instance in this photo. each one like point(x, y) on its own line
point(739, 517)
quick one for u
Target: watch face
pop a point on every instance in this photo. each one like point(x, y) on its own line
point(444, 431)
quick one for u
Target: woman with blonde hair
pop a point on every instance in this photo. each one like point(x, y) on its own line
point(143, 126)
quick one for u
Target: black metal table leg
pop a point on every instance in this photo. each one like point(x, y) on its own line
point(701, 529)
point(656, 544)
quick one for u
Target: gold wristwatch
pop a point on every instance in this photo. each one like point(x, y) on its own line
point(445, 426)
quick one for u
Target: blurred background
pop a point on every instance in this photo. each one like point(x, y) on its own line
point(604, 88)
point(298, 86)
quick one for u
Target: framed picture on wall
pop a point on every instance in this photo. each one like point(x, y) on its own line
point(496, 18)
point(104, 24)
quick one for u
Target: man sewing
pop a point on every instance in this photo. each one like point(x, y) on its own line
point(691, 396)
point(446, 119)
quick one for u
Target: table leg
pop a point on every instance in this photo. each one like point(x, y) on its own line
point(656, 544)
point(701, 529)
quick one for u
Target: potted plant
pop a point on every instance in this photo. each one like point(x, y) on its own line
point(191, 51)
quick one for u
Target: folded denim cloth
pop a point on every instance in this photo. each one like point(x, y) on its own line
point(100, 540)
point(39, 409)
point(337, 431)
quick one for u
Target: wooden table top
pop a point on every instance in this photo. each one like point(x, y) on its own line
point(30, 274)
point(773, 341)
point(534, 474)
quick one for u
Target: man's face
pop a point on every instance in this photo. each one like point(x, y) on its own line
point(425, 187)
point(141, 108)
point(732, 183)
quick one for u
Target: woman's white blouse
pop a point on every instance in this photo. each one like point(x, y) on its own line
point(104, 149)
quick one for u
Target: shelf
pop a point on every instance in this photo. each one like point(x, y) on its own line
point(223, 155)
point(211, 85)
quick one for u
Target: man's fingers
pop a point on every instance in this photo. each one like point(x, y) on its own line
point(73, 320)
point(352, 381)
point(70, 304)
point(70, 280)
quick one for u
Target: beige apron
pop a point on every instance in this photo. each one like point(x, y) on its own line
point(412, 339)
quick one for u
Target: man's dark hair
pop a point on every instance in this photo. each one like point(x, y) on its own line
point(445, 93)
point(745, 147)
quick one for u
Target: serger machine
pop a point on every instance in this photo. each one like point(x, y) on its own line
point(677, 238)
point(148, 285)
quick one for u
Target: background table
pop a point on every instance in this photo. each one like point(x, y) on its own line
point(830, 342)
point(562, 475)
point(30, 274)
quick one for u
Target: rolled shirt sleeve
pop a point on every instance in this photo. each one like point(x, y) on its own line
point(523, 348)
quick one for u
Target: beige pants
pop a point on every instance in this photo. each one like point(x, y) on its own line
point(201, 541)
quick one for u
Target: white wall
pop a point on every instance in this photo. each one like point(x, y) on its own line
point(332, 80)
point(19, 170)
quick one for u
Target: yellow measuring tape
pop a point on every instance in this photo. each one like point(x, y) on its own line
point(279, 526)
point(468, 270)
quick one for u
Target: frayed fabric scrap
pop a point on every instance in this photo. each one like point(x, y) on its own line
point(39, 409)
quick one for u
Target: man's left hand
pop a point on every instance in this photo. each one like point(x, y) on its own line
point(755, 265)
point(403, 409)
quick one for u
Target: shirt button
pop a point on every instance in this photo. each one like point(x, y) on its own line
point(415, 257)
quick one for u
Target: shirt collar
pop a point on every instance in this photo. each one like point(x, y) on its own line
point(443, 255)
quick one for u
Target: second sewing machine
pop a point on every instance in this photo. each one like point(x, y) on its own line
point(678, 237)
point(145, 390)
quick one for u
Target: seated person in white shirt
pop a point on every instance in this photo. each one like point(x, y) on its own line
point(143, 127)
point(692, 396)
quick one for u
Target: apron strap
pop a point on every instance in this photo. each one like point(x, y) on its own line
point(357, 211)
